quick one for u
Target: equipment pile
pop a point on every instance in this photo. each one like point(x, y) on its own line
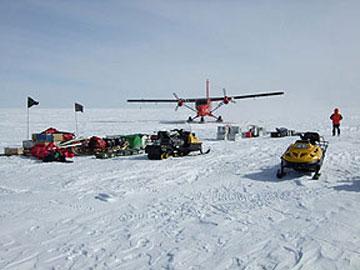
point(234, 133)
point(283, 132)
point(306, 154)
point(119, 145)
point(109, 146)
point(54, 145)
point(228, 132)
point(46, 145)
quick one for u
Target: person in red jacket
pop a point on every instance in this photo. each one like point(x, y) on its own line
point(336, 117)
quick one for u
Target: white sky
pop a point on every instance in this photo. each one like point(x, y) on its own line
point(99, 53)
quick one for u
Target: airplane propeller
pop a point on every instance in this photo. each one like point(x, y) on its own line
point(227, 99)
point(180, 103)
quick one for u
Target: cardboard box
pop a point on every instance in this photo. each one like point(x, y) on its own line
point(10, 151)
point(222, 132)
point(58, 137)
point(234, 133)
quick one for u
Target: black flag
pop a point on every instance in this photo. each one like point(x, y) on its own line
point(79, 107)
point(31, 102)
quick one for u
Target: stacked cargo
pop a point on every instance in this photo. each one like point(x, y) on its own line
point(52, 135)
point(54, 145)
point(233, 133)
point(45, 145)
point(254, 131)
point(228, 132)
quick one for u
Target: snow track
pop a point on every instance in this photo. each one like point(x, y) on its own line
point(224, 210)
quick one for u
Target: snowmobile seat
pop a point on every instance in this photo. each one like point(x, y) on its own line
point(312, 137)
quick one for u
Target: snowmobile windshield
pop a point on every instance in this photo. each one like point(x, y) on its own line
point(301, 146)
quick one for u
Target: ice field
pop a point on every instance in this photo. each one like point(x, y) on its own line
point(224, 210)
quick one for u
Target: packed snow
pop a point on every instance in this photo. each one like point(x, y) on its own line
point(223, 210)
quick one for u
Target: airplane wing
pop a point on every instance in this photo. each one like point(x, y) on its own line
point(160, 100)
point(248, 96)
point(195, 99)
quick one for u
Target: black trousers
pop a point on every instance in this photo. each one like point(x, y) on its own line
point(336, 128)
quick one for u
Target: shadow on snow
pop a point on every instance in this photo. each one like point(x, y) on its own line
point(268, 174)
point(354, 186)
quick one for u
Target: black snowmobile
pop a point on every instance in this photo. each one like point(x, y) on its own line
point(177, 142)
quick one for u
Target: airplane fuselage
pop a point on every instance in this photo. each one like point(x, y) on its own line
point(203, 107)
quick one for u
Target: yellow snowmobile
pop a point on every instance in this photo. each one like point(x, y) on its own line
point(306, 154)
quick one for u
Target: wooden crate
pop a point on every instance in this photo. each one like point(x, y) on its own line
point(11, 151)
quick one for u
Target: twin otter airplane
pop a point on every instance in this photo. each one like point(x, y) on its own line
point(203, 105)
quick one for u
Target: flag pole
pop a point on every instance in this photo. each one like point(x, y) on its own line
point(76, 123)
point(30, 102)
point(28, 124)
point(78, 108)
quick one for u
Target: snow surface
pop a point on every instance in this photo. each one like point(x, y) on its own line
point(224, 210)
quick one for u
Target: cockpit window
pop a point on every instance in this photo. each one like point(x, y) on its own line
point(201, 102)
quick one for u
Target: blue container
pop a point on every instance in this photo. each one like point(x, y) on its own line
point(44, 138)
